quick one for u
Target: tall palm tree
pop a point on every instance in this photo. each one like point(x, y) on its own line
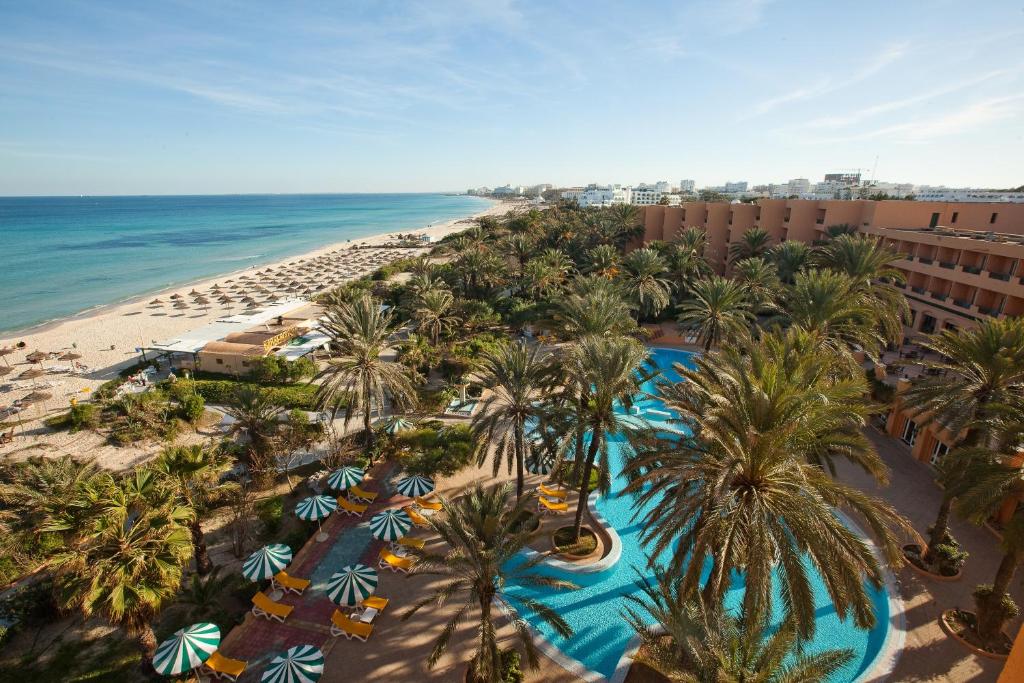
point(790, 257)
point(604, 261)
point(761, 280)
point(979, 370)
point(548, 271)
point(605, 373)
point(643, 276)
point(687, 263)
point(127, 562)
point(434, 314)
point(194, 474)
point(754, 242)
point(749, 492)
point(628, 221)
point(359, 333)
point(483, 532)
point(700, 645)
point(515, 374)
point(520, 247)
point(592, 305)
point(870, 264)
point(719, 308)
point(255, 415)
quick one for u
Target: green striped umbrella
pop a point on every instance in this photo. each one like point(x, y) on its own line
point(186, 649)
point(352, 585)
point(413, 486)
point(390, 525)
point(315, 508)
point(344, 478)
point(267, 561)
point(396, 425)
point(300, 664)
point(540, 463)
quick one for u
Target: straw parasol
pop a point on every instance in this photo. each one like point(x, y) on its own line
point(414, 486)
point(156, 302)
point(180, 305)
point(267, 561)
point(194, 292)
point(5, 369)
point(353, 584)
point(345, 477)
point(315, 509)
point(300, 664)
point(252, 304)
point(390, 525)
point(176, 296)
point(70, 355)
point(186, 649)
point(37, 397)
point(36, 356)
point(31, 374)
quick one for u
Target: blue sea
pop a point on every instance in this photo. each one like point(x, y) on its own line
point(64, 255)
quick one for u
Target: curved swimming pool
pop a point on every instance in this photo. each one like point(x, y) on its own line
point(601, 636)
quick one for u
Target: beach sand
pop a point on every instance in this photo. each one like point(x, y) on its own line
point(106, 339)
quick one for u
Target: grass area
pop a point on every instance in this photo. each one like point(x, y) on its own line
point(564, 540)
point(112, 659)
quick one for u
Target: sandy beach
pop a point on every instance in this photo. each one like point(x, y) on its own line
point(105, 339)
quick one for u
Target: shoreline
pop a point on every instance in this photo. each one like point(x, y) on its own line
point(9, 337)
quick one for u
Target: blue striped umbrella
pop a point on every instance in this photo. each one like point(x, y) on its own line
point(413, 486)
point(315, 508)
point(341, 479)
point(300, 664)
point(186, 649)
point(390, 525)
point(267, 561)
point(352, 585)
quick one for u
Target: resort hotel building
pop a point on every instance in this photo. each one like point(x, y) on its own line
point(963, 262)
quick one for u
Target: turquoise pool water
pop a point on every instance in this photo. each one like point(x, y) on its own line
point(601, 635)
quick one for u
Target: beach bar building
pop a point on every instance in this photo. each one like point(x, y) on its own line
point(229, 345)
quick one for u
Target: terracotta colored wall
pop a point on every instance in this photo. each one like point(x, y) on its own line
point(1013, 669)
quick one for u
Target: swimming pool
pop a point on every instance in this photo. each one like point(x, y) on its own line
point(601, 636)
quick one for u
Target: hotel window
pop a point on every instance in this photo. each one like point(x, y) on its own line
point(909, 432)
point(220, 361)
point(940, 450)
point(934, 221)
point(994, 217)
point(956, 214)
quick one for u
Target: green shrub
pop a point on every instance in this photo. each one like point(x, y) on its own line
point(275, 369)
point(192, 408)
point(288, 396)
point(510, 667)
point(83, 416)
point(433, 451)
point(271, 513)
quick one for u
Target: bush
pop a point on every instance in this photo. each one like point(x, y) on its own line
point(271, 513)
point(83, 416)
point(510, 667)
point(223, 392)
point(298, 537)
point(273, 369)
point(434, 452)
point(192, 408)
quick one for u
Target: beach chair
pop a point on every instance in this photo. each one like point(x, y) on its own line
point(559, 494)
point(220, 666)
point(289, 583)
point(360, 494)
point(374, 602)
point(388, 560)
point(417, 518)
point(350, 628)
point(350, 508)
point(411, 542)
point(545, 506)
point(427, 504)
point(262, 606)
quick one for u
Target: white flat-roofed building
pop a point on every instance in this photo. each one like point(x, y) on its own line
point(965, 194)
point(687, 186)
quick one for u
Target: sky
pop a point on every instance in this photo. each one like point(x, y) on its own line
point(208, 97)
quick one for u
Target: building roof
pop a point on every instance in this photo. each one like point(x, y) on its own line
point(230, 349)
point(194, 340)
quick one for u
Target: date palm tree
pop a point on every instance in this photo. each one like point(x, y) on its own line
point(718, 308)
point(42, 489)
point(761, 280)
point(547, 272)
point(483, 531)
point(604, 261)
point(750, 491)
point(193, 472)
point(790, 257)
point(359, 333)
point(255, 416)
point(515, 375)
point(126, 563)
point(643, 275)
point(978, 371)
point(870, 264)
point(754, 242)
point(687, 263)
point(592, 306)
point(433, 313)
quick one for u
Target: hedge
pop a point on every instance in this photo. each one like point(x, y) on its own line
point(288, 396)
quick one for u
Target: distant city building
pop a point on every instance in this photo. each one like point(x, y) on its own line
point(599, 196)
point(505, 191)
point(843, 178)
point(644, 196)
point(798, 186)
point(735, 187)
point(687, 186)
point(966, 194)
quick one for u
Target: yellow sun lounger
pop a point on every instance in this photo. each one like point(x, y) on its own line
point(262, 606)
point(417, 518)
point(427, 504)
point(412, 542)
point(374, 602)
point(550, 506)
point(560, 494)
point(289, 583)
point(388, 560)
point(220, 666)
point(350, 628)
point(359, 494)
point(350, 508)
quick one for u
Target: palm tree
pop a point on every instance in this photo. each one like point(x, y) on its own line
point(359, 333)
point(127, 562)
point(194, 473)
point(761, 280)
point(686, 262)
point(255, 415)
point(643, 271)
point(433, 313)
point(870, 265)
point(979, 370)
point(520, 247)
point(627, 220)
point(604, 373)
point(750, 491)
point(514, 375)
point(483, 533)
point(718, 308)
point(604, 261)
point(753, 242)
point(592, 306)
point(704, 645)
point(790, 257)
point(42, 489)
point(548, 271)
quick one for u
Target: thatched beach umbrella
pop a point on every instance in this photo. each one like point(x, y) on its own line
point(156, 302)
point(31, 374)
point(6, 351)
point(176, 296)
point(37, 357)
point(70, 355)
point(252, 304)
point(181, 305)
point(5, 370)
point(37, 397)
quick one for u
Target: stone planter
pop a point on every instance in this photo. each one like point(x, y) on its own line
point(567, 557)
point(924, 572)
point(957, 637)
